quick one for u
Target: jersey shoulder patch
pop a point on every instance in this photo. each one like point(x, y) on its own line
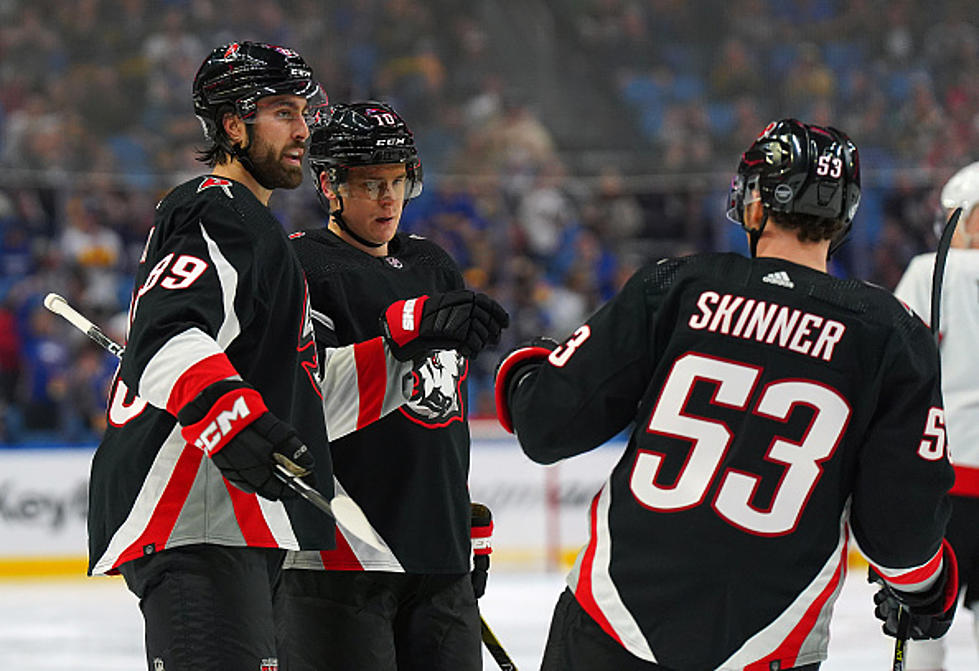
point(211, 181)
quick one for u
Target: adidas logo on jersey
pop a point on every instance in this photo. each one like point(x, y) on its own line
point(780, 278)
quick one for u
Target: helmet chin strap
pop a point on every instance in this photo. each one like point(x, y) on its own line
point(337, 216)
point(754, 234)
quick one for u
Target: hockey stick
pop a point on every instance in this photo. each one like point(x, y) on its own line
point(350, 515)
point(938, 273)
point(59, 306)
point(494, 647)
point(937, 279)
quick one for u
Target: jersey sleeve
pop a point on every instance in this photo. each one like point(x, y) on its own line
point(914, 288)
point(362, 383)
point(186, 311)
point(900, 505)
point(588, 389)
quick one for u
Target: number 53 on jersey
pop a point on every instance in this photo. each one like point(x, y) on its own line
point(735, 388)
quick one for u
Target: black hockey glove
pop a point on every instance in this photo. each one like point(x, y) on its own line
point(229, 421)
point(511, 370)
point(463, 320)
point(931, 611)
point(481, 534)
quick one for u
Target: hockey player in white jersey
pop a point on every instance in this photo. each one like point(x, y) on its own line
point(960, 385)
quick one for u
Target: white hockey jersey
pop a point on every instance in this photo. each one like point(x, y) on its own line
point(959, 325)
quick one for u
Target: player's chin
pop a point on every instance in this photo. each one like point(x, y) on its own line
point(291, 176)
point(385, 227)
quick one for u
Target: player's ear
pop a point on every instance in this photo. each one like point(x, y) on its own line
point(753, 210)
point(234, 128)
point(325, 187)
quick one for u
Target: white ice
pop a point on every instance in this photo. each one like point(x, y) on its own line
point(95, 625)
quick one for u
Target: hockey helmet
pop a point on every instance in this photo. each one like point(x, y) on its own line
point(239, 74)
point(364, 133)
point(962, 189)
point(799, 168)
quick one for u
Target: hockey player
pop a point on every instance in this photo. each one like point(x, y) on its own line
point(218, 382)
point(959, 327)
point(775, 408)
point(412, 605)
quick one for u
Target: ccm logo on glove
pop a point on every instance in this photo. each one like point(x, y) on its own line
point(231, 413)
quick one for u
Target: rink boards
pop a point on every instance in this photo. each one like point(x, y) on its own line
point(538, 511)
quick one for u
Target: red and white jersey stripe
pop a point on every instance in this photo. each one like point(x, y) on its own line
point(362, 383)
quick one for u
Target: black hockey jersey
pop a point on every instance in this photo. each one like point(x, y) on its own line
point(408, 471)
point(774, 407)
point(218, 293)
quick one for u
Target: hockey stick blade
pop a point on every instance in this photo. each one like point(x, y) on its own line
point(351, 516)
point(59, 306)
point(494, 647)
point(342, 509)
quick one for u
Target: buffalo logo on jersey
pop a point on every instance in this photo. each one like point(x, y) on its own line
point(436, 399)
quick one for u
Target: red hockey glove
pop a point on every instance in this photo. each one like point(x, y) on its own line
point(481, 533)
point(512, 368)
point(931, 611)
point(462, 320)
point(229, 421)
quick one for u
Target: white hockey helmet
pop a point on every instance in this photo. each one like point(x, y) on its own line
point(962, 190)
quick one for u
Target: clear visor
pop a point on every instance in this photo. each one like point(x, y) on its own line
point(291, 107)
point(375, 188)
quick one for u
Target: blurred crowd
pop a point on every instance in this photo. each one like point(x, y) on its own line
point(96, 124)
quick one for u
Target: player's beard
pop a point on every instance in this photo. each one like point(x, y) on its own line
point(269, 170)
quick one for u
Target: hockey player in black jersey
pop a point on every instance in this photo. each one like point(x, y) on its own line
point(776, 409)
point(411, 605)
point(218, 382)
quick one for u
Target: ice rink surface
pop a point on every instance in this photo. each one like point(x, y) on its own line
point(95, 625)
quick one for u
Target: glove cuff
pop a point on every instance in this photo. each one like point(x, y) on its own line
point(950, 591)
point(402, 319)
point(940, 596)
point(228, 407)
point(481, 529)
point(511, 364)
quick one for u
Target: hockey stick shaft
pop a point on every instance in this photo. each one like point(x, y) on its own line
point(59, 306)
point(938, 273)
point(494, 647)
point(937, 279)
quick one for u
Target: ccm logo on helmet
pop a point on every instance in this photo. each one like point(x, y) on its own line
point(222, 425)
point(390, 142)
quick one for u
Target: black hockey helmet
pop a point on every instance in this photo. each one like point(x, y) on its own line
point(799, 168)
point(363, 133)
point(235, 76)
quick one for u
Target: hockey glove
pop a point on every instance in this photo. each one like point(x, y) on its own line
point(511, 370)
point(229, 421)
point(930, 612)
point(481, 534)
point(462, 320)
